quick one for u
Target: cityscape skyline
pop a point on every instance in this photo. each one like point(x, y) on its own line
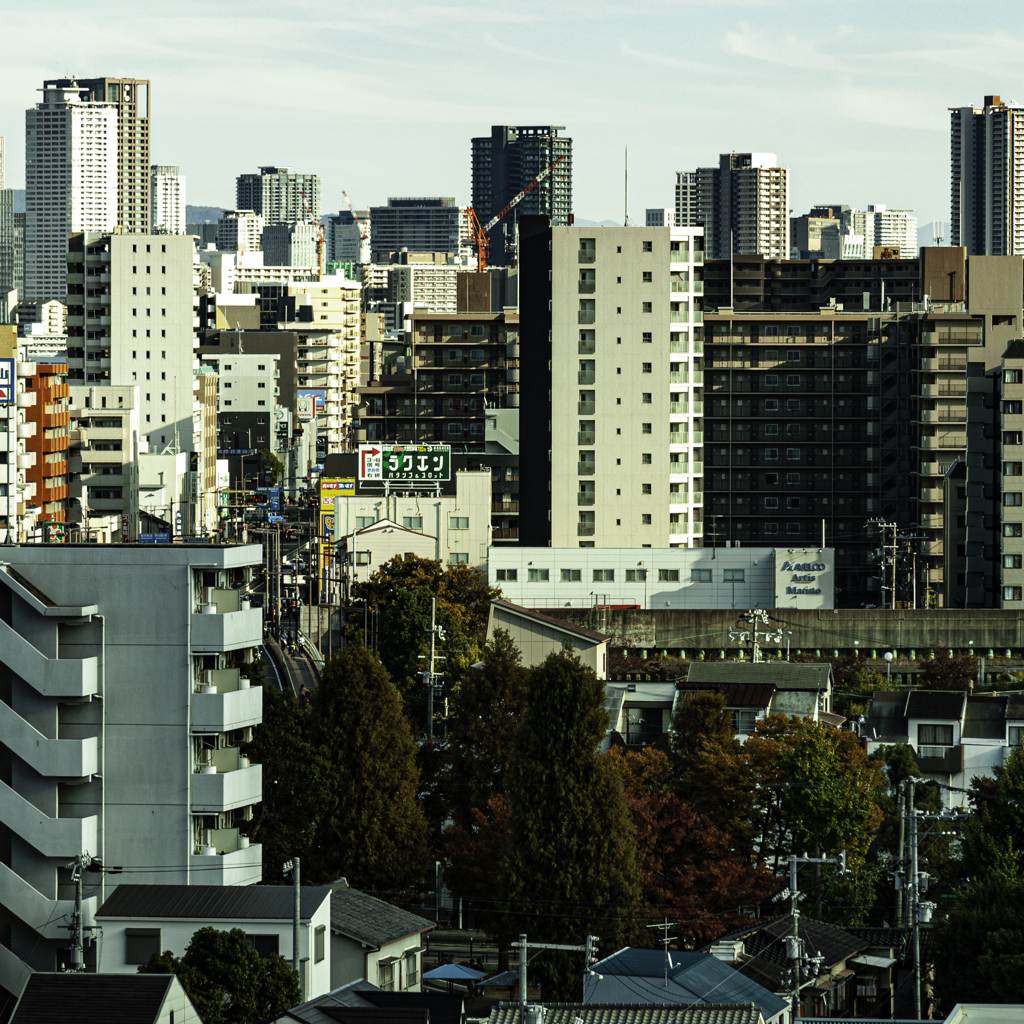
point(756, 63)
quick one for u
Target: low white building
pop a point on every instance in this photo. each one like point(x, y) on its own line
point(140, 920)
point(733, 577)
point(369, 529)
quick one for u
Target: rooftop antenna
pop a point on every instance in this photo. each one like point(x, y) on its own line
point(626, 185)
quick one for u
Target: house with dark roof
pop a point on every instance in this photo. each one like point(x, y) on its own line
point(375, 940)
point(638, 976)
point(633, 1013)
point(140, 920)
point(955, 736)
point(361, 1002)
point(790, 688)
point(103, 998)
point(758, 951)
point(640, 714)
point(537, 635)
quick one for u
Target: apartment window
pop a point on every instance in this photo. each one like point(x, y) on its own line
point(265, 945)
point(793, 454)
point(1013, 376)
point(793, 355)
point(385, 976)
point(771, 454)
point(648, 247)
point(261, 385)
point(455, 429)
point(935, 735)
point(319, 942)
point(140, 944)
point(1012, 468)
point(648, 307)
point(771, 380)
point(793, 380)
point(700, 575)
point(668, 575)
point(455, 378)
point(792, 529)
point(648, 276)
point(1015, 408)
point(1012, 498)
point(771, 529)
point(771, 502)
point(476, 355)
point(647, 337)
point(645, 519)
point(362, 522)
point(1013, 561)
point(476, 331)
point(645, 488)
point(537, 575)
point(1012, 529)
point(646, 398)
point(572, 575)
point(458, 558)
point(455, 330)
point(1013, 437)
point(733, 575)
point(476, 380)
point(412, 522)
point(771, 429)
point(771, 405)
point(636, 575)
point(455, 355)
point(645, 428)
point(1016, 736)
point(792, 405)
point(458, 522)
point(793, 478)
point(645, 458)
point(793, 504)
point(507, 575)
point(412, 973)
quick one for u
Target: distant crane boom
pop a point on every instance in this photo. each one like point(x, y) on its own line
point(321, 235)
point(363, 230)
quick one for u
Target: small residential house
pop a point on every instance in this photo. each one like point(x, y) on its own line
point(537, 635)
point(72, 998)
point(955, 736)
point(375, 940)
point(802, 689)
point(140, 920)
point(638, 976)
point(630, 1013)
point(640, 714)
point(360, 1002)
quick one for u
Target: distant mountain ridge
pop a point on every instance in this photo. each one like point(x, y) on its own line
point(203, 214)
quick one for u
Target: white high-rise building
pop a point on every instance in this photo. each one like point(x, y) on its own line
point(239, 231)
point(890, 229)
point(347, 239)
point(70, 182)
point(661, 218)
point(167, 199)
point(987, 178)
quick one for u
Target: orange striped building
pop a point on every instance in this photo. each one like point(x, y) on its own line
point(52, 417)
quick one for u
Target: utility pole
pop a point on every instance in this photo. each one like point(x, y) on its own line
point(429, 674)
point(587, 948)
point(665, 941)
point(293, 867)
point(77, 940)
point(753, 635)
point(915, 900)
point(900, 873)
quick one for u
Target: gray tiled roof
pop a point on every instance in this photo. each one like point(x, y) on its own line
point(92, 998)
point(941, 704)
point(213, 902)
point(785, 675)
point(985, 718)
point(550, 620)
point(371, 921)
point(634, 1013)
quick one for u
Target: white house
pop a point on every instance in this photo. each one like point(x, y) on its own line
point(375, 940)
point(140, 920)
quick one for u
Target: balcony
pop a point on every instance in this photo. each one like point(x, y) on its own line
point(214, 631)
point(587, 255)
point(241, 865)
point(505, 533)
point(943, 416)
point(584, 529)
point(943, 390)
point(931, 494)
point(585, 498)
point(505, 507)
point(585, 468)
point(585, 408)
point(587, 287)
point(220, 791)
point(52, 758)
point(944, 441)
point(223, 709)
point(585, 437)
point(587, 346)
point(586, 316)
point(941, 760)
point(585, 376)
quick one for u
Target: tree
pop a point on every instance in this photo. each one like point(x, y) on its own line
point(979, 946)
point(272, 466)
point(297, 782)
point(227, 980)
point(372, 830)
point(488, 709)
point(689, 873)
point(572, 856)
point(993, 838)
point(700, 720)
point(945, 671)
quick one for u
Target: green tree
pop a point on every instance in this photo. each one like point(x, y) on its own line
point(979, 946)
point(227, 980)
point(700, 720)
point(481, 733)
point(272, 466)
point(373, 830)
point(945, 671)
point(993, 838)
point(572, 857)
point(297, 782)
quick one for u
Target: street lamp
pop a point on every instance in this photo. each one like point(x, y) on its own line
point(888, 670)
point(787, 634)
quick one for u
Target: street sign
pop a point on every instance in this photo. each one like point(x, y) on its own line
point(6, 381)
point(423, 462)
point(154, 538)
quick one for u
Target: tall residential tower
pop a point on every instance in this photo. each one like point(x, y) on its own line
point(279, 195)
point(167, 199)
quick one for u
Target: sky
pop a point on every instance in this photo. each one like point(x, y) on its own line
point(382, 97)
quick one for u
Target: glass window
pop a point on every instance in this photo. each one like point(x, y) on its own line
point(604, 576)
point(476, 355)
point(771, 429)
point(572, 575)
point(455, 330)
point(645, 458)
point(793, 454)
point(646, 367)
point(771, 380)
point(771, 528)
point(743, 721)
point(1013, 376)
point(1011, 593)
point(458, 558)
point(771, 405)
point(1016, 736)
point(733, 575)
point(319, 942)
point(647, 337)
point(265, 945)
point(793, 380)
point(537, 575)
point(455, 378)
point(412, 522)
point(1013, 437)
point(646, 397)
point(1013, 561)
point(771, 454)
point(1012, 468)
point(1012, 529)
point(458, 522)
point(140, 944)
point(507, 575)
point(476, 331)
point(1011, 497)
point(935, 735)
point(648, 276)
point(645, 519)
point(455, 355)
point(648, 307)
point(636, 575)
point(645, 428)
point(648, 247)
point(1014, 408)
point(362, 558)
point(364, 521)
point(793, 355)
point(700, 575)
point(771, 502)
point(668, 575)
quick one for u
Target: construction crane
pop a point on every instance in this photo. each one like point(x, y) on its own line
point(478, 232)
point(321, 235)
point(364, 231)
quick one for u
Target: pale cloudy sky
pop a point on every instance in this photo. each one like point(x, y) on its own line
point(381, 97)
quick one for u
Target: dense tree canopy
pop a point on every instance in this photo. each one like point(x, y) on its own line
point(945, 671)
point(227, 980)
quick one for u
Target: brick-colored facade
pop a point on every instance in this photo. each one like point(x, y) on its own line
point(52, 417)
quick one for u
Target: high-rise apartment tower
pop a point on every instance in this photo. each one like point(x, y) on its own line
point(504, 163)
point(167, 197)
point(279, 195)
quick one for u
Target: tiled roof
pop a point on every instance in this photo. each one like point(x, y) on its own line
point(737, 695)
point(1015, 706)
point(92, 998)
point(886, 722)
point(941, 704)
point(985, 718)
point(362, 997)
point(785, 675)
point(550, 620)
point(372, 921)
point(633, 1013)
point(213, 902)
point(766, 939)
